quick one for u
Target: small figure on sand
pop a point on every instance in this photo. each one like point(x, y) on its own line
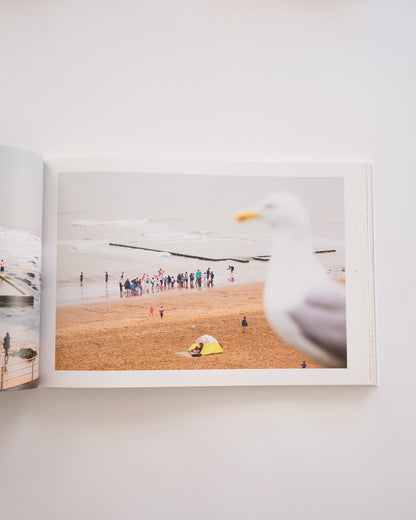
point(151, 311)
point(196, 351)
point(6, 345)
point(303, 364)
point(244, 324)
point(161, 311)
point(81, 278)
point(2, 265)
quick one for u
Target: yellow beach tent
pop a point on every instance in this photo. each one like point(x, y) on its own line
point(210, 345)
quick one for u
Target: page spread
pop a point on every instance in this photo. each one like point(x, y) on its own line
point(184, 273)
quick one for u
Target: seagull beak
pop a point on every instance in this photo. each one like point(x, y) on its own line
point(247, 216)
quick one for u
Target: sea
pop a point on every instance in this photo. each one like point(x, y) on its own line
point(181, 223)
point(22, 253)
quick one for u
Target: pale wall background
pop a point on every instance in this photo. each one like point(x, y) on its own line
point(247, 80)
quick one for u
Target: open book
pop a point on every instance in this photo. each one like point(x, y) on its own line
point(138, 273)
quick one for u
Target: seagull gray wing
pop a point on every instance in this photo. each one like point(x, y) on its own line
point(321, 318)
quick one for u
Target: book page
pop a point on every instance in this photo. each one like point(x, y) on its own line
point(21, 181)
point(201, 273)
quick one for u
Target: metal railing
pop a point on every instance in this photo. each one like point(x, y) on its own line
point(16, 371)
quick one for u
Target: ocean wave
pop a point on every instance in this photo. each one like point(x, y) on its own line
point(173, 236)
point(326, 243)
point(20, 247)
point(84, 244)
point(118, 223)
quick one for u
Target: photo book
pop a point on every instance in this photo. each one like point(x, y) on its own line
point(119, 272)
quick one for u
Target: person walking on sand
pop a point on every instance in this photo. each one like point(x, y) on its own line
point(6, 345)
point(2, 266)
point(161, 311)
point(244, 324)
point(151, 311)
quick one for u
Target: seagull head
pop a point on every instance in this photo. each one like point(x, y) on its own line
point(280, 210)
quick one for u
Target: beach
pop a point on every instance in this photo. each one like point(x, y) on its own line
point(122, 335)
point(151, 227)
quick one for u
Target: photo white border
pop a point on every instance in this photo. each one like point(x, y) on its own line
point(358, 265)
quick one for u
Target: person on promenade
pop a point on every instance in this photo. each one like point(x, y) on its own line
point(244, 324)
point(151, 311)
point(6, 345)
point(2, 266)
point(303, 364)
point(161, 311)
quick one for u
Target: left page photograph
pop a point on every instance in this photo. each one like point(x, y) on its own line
point(21, 181)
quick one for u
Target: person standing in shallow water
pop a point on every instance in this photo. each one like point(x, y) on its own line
point(2, 266)
point(106, 277)
point(81, 278)
point(161, 311)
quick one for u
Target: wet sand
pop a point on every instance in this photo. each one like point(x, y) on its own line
point(121, 334)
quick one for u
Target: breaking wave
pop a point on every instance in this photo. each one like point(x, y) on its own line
point(118, 223)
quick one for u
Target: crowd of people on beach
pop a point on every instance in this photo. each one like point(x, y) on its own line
point(160, 281)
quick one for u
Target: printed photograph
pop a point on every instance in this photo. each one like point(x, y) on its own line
point(200, 272)
point(21, 180)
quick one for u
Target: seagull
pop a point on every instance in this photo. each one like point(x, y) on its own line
point(302, 303)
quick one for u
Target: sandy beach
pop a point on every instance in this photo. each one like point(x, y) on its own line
point(121, 334)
